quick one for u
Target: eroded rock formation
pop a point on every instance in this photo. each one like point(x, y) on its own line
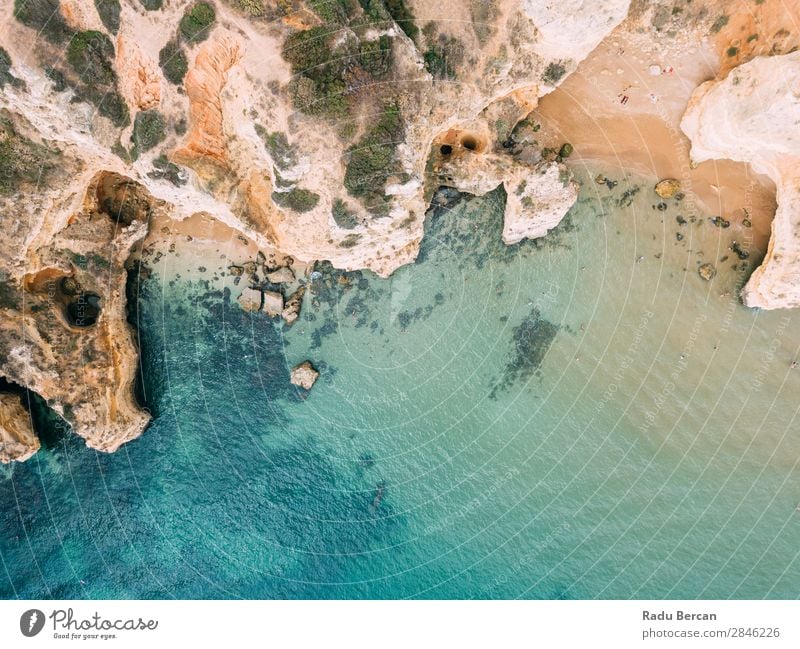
point(17, 439)
point(64, 332)
point(751, 115)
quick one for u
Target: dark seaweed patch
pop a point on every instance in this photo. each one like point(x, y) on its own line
point(531, 339)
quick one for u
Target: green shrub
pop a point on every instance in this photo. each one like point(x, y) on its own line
point(197, 21)
point(309, 49)
point(57, 77)
point(320, 97)
point(43, 16)
point(278, 146)
point(253, 8)
point(297, 199)
point(152, 5)
point(402, 15)
point(318, 87)
point(109, 103)
point(332, 11)
point(166, 170)
point(21, 160)
point(373, 158)
point(173, 62)
point(108, 10)
point(5, 71)
point(376, 56)
point(149, 129)
point(90, 54)
point(553, 72)
point(343, 217)
point(350, 240)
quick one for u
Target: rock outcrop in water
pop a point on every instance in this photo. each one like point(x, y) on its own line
point(304, 375)
point(17, 439)
point(68, 231)
point(752, 115)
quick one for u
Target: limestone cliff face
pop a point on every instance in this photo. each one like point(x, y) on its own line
point(63, 323)
point(17, 439)
point(752, 116)
point(236, 96)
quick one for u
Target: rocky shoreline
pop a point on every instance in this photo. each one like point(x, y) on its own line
point(304, 133)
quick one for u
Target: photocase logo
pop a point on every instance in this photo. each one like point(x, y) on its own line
point(31, 622)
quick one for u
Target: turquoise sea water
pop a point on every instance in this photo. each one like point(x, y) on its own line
point(579, 417)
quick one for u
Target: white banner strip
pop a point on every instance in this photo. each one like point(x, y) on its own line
point(389, 625)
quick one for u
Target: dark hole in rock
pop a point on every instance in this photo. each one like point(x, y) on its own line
point(84, 310)
point(446, 149)
point(469, 142)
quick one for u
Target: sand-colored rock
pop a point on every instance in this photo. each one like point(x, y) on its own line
point(537, 202)
point(304, 375)
point(140, 77)
point(707, 271)
point(291, 309)
point(68, 299)
point(18, 442)
point(250, 299)
point(752, 115)
point(281, 276)
point(206, 141)
point(273, 303)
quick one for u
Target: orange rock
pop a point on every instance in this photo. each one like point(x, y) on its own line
point(204, 83)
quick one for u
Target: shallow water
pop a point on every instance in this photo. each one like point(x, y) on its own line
point(578, 417)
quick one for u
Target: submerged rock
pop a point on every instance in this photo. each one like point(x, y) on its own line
point(707, 272)
point(304, 375)
point(18, 442)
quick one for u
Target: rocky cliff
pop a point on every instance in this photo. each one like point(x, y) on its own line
point(752, 115)
point(315, 130)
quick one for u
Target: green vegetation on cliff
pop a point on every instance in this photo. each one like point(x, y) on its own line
point(22, 161)
point(5, 71)
point(173, 62)
point(43, 16)
point(402, 15)
point(374, 157)
point(109, 10)
point(197, 21)
point(90, 55)
point(277, 144)
point(149, 129)
point(297, 199)
point(330, 64)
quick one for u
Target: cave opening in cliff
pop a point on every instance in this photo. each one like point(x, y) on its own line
point(446, 149)
point(84, 310)
point(469, 143)
point(122, 199)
